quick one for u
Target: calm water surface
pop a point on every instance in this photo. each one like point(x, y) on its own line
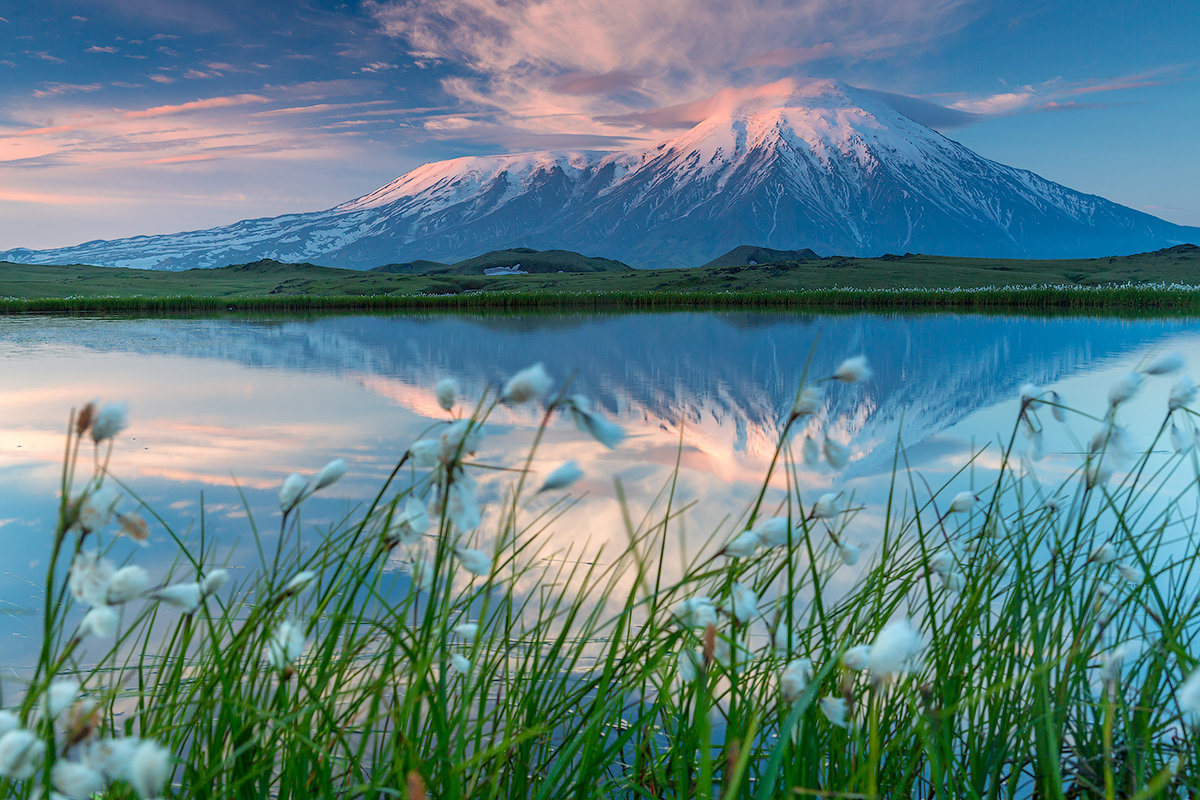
point(221, 410)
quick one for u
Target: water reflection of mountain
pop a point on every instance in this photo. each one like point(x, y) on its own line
point(735, 372)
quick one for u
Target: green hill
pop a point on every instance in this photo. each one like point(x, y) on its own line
point(418, 267)
point(750, 255)
point(524, 259)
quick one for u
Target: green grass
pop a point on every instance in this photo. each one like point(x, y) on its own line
point(888, 282)
point(1128, 299)
point(575, 687)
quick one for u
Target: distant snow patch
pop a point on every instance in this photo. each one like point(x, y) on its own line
point(515, 269)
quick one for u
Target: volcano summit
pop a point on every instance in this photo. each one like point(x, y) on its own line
point(817, 164)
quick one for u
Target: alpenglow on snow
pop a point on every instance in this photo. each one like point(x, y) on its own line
point(816, 164)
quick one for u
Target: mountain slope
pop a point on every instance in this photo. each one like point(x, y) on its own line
point(815, 165)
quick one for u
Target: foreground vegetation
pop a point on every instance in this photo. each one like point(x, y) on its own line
point(1165, 279)
point(1015, 639)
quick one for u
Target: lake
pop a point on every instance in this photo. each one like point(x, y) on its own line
point(221, 410)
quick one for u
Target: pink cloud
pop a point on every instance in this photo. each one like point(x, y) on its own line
point(564, 68)
point(196, 105)
point(98, 49)
point(790, 56)
point(591, 83)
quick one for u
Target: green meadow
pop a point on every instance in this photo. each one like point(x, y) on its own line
point(1160, 280)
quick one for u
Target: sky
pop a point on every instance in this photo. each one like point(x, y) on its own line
point(128, 117)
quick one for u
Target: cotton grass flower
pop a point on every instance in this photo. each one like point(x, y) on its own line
point(60, 694)
point(112, 757)
point(100, 622)
point(562, 477)
point(1182, 394)
point(285, 645)
point(149, 769)
point(76, 781)
point(848, 553)
point(1106, 553)
point(459, 438)
point(826, 506)
point(88, 578)
point(447, 391)
point(1179, 443)
point(134, 527)
point(1028, 393)
point(213, 582)
point(331, 473)
point(852, 370)
point(745, 603)
point(425, 452)
point(528, 384)
point(696, 612)
point(1165, 364)
point(808, 401)
point(774, 532)
point(461, 664)
point(857, 657)
point(1130, 572)
point(1112, 663)
point(795, 678)
point(21, 753)
point(125, 584)
point(895, 650)
point(963, 502)
point(96, 508)
point(109, 421)
point(1188, 696)
point(742, 546)
point(187, 596)
point(1124, 389)
point(588, 421)
point(836, 710)
point(291, 492)
point(467, 631)
point(301, 581)
point(409, 526)
point(475, 562)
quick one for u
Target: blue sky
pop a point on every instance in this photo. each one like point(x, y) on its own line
point(123, 117)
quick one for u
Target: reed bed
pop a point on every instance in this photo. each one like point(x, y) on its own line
point(1044, 298)
point(1017, 639)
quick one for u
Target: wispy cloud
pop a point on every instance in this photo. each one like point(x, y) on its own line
point(98, 49)
point(54, 89)
point(44, 56)
point(1053, 95)
point(791, 55)
point(195, 105)
point(378, 66)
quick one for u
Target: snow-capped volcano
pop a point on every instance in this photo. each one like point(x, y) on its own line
point(815, 164)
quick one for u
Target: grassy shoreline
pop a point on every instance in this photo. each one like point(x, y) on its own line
point(1155, 298)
